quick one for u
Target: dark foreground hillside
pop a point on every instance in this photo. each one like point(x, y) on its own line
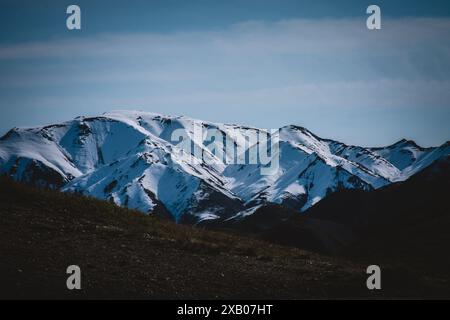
point(124, 254)
point(406, 222)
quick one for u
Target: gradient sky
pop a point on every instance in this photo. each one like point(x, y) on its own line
point(254, 62)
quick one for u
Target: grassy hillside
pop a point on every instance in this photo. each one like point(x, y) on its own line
point(124, 254)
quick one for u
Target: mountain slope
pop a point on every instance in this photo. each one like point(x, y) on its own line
point(410, 158)
point(125, 254)
point(407, 221)
point(133, 159)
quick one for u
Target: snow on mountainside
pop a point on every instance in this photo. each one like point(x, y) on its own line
point(411, 158)
point(128, 157)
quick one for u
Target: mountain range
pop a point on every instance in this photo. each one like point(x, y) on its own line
point(129, 158)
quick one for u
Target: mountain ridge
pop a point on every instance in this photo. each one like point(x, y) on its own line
point(128, 157)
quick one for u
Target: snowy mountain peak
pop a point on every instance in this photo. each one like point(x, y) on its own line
point(404, 143)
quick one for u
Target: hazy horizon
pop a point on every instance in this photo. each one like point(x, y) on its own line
point(265, 64)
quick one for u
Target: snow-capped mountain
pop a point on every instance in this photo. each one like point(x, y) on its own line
point(128, 157)
point(411, 158)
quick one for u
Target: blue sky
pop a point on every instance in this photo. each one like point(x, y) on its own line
point(255, 62)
